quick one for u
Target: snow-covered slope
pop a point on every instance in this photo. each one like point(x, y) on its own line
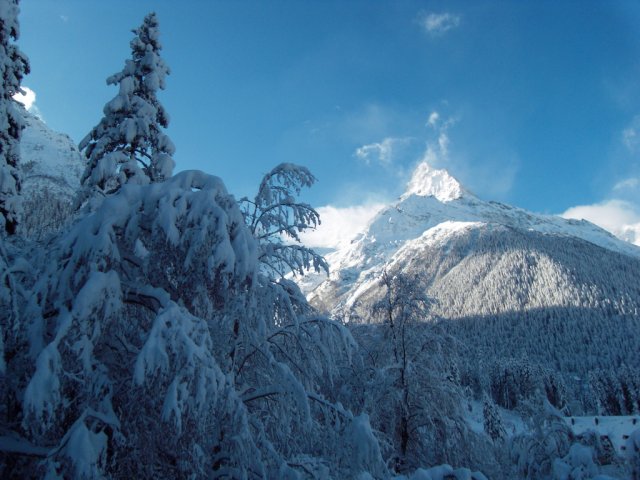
point(49, 160)
point(560, 296)
point(478, 256)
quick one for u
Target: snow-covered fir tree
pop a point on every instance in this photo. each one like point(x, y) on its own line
point(13, 66)
point(151, 335)
point(492, 421)
point(129, 145)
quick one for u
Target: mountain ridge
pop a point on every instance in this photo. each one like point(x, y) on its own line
point(49, 159)
point(51, 166)
point(434, 211)
point(517, 292)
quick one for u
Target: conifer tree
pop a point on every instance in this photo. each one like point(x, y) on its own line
point(13, 66)
point(493, 425)
point(128, 145)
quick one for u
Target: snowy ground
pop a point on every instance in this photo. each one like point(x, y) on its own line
point(617, 429)
point(513, 423)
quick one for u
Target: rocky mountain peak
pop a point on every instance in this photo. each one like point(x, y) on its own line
point(427, 181)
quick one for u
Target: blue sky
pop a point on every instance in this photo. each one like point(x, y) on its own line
point(532, 103)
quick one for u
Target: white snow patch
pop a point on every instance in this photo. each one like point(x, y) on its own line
point(49, 160)
point(617, 428)
point(513, 423)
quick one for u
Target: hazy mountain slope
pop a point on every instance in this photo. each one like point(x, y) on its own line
point(51, 168)
point(49, 159)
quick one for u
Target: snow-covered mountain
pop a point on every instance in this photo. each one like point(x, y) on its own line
point(480, 257)
point(49, 160)
point(51, 167)
point(518, 291)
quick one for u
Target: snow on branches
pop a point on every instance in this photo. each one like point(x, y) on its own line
point(151, 335)
point(276, 218)
point(114, 346)
point(128, 145)
point(13, 66)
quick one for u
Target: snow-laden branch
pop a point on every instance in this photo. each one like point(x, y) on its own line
point(276, 218)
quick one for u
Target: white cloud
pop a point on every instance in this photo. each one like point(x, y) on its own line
point(437, 123)
point(383, 152)
point(437, 151)
point(631, 135)
point(433, 119)
point(339, 225)
point(438, 155)
point(443, 144)
point(491, 177)
point(619, 213)
point(619, 217)
point(431, 156)
point(628, 184)
point(28, 99)
point(437, 24)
